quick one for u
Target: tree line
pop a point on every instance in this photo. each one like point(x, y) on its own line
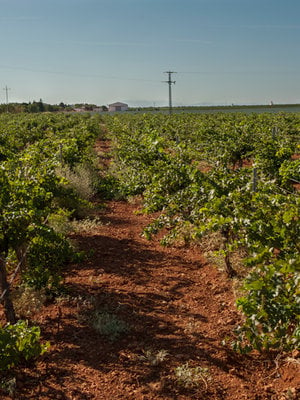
point(40, 106)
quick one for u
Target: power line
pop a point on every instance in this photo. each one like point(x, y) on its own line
point(6, 96)
point(170, 82)
point(75, 74)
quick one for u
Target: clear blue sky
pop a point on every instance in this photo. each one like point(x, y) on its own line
point(96, 51)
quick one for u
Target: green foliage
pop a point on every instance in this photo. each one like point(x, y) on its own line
point(188, 169)
point(109, 188)
point(59, 221)
point(270, 156)
point(272, 310)
point(290, 171)
point(48, 252)
point(19, 343)
point(32, 148)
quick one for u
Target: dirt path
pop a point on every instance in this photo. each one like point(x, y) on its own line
point(170, 299)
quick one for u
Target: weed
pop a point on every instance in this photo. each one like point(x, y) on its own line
point(290, 394)
point(191, 377)
point(60, 222)
point(9, 385)
point(109, 325)
point(154, 358)
point(192, 327)
point(85, 225)
point(81, 179)
point(28, 300)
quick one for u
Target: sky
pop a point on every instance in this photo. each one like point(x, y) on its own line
point(100, 52)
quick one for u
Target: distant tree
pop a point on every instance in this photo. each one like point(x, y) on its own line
point(41, 106)
point(89, 107)
point(33, 107)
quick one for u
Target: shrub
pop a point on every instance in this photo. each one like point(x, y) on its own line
point(48, 252)
point(109, 187)
point(19, 343)
point(81, 179)
point(272, 310)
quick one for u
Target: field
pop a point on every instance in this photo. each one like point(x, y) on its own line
point(246, 109)
point(158, 256)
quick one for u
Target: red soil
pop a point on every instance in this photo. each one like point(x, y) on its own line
point(171, 299)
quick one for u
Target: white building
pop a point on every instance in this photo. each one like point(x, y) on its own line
point(118, 107)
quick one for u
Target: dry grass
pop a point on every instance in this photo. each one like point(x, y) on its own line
point(85, 225)
point(191, 377)
point(28, 301)
point(154, 358)
point(211, 247)
point(81, 179)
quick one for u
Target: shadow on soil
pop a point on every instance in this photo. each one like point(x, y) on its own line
point(155, 321)
point(126, 258)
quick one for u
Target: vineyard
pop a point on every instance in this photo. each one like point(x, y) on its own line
point(210, 201)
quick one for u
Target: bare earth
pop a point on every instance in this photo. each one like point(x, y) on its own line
point(170, 299)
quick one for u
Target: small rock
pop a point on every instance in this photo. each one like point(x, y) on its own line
point(156, 386)
point(230, 321)
point(296, 353)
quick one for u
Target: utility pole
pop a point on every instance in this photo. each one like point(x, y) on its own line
point(170, 82)
point(6, 97)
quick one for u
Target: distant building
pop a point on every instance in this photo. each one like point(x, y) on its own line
point(97, 109)
point(118, 107)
